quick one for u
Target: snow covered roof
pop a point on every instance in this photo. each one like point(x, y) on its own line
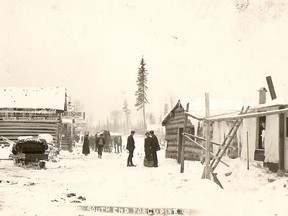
point(216, 107)
point(197, 107)
point(33, 97)
point(267, 108)
point(223, 108)
point(271, 103)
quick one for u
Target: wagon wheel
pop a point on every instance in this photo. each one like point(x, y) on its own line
point(15, 160)
point(23, 162)
point(41, 164)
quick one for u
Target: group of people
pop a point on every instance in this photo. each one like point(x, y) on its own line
point(99, 142)
point(151, 146)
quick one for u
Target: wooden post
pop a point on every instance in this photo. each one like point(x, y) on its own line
point(207, 132)
point(72, 134)
point(247, 152)
point(180, 145)
point(183, 141)
point(271, 87)
point(281, 141)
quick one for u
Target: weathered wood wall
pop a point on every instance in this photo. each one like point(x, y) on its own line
point(192, 151)
point(15, 124)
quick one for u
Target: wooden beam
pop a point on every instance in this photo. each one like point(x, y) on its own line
point(193, 116)
point(203, 147)
point(248, 115)
point(183, 143)
point(180, 145)
point(207, 170)
point(201, 138)
point(281, 141)
point(271, 87)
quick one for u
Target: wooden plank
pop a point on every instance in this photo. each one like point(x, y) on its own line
point(171, 137)
point(202, 139)
point(248, 115)
point(31, 156)
point(195, 117)
point(12, 131)
point(177, 117)
point(29, 124)
point(27, 128)
point(172, 126)
point(27, 121)
point(207, 173)
point(180, 150)
point(200, 146)
point(281, 141)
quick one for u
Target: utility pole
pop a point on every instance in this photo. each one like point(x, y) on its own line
point(183, 140)
point(207, 174)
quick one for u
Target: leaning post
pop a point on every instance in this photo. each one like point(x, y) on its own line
point(183, 140)
point(207, 132)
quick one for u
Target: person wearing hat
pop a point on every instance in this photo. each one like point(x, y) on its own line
point(130, 147)
point(85, 147)
point(155, 148)
point(148, 160)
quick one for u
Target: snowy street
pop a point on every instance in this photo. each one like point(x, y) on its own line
point(78, 183)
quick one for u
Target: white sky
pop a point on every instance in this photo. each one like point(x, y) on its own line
point(94, 48)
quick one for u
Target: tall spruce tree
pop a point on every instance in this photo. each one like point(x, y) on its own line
point(127, 113)
point(141, 97)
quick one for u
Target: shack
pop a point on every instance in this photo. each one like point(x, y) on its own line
point(263, 132)
point(32, 111)
point(175, 119)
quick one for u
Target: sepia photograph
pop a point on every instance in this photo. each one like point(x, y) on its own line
point(138, 107)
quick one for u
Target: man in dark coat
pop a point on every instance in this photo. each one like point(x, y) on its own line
point(100, 143)
point(130, 147)
point(155, 148)
point(85, 147)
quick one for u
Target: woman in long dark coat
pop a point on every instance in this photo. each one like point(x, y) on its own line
point(148, 160)
point(86, 147)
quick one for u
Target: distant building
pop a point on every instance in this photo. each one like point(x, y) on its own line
point(31, 111)
point(175, 119)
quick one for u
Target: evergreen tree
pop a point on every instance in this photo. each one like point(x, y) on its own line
point(127, 113)
point(141, 97)
point(165, 108)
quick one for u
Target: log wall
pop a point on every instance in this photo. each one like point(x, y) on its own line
point(192, 151)
point(15, 124)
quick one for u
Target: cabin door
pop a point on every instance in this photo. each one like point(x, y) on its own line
point(286, 143)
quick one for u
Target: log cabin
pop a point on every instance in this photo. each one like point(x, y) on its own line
point(175, 119)
point(32, 111)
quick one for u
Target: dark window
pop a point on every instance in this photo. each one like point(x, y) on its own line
point(286, 126)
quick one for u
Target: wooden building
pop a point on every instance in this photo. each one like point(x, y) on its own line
point(262, 135)
point(268, 146)
point(32, 111)
point(174, 120)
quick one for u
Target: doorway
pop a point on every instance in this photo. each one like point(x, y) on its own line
point(261, 132)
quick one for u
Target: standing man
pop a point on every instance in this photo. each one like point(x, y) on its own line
point(130, 147)
point(155, 148)
point(100, 143)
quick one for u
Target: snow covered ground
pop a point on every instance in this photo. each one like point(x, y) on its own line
point(86, 185)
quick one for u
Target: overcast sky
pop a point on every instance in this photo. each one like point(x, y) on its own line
point(94, 49)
